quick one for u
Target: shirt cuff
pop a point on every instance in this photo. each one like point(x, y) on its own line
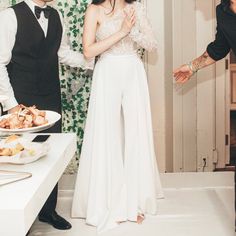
point(9, 104)
point(88, 64)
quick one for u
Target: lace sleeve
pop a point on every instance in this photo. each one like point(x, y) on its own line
point(142, 32)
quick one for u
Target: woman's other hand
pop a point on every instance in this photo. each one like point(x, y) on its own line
point(128, 22)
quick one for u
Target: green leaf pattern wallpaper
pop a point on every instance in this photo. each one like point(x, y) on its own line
point(75, 83)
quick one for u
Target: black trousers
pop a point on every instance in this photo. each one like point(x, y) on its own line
point(45, 102)
point(51, 203)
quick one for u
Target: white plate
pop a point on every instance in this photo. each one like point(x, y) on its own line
point(32, 152)
point(51, 116)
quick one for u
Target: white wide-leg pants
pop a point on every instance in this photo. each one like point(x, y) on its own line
point(118, 176)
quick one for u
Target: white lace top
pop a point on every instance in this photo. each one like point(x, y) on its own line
point(140, 36)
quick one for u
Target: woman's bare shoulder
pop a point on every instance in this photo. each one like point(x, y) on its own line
point(92, 9)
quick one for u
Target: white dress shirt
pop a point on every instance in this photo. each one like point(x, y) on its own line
point(8, 31)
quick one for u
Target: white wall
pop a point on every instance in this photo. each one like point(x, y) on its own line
point(184, 97)
point(159, 71)
point(183, 116)
point(179, 129)
point(205, 17)
point(194, 104)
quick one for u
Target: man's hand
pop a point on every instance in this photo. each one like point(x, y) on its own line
point(14, 109)
point(183, 74)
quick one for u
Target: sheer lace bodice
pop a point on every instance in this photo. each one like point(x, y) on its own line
point(140, 36)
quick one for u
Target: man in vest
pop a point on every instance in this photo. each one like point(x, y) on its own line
point(32, 42)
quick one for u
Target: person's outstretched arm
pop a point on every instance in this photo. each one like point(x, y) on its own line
point(185, 72)
point(215, 51)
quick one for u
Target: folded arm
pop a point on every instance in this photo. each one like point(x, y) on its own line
point(92, 48)
point(70, 57)
point(216, 50)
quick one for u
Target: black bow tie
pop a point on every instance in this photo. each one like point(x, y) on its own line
point(45, 10)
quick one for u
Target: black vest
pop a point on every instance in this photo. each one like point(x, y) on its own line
point(33, 69)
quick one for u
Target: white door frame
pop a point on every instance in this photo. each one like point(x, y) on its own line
point(222, 111)
point(194, 103)
point(159, 70)
point(185, 118)
point(222, 114)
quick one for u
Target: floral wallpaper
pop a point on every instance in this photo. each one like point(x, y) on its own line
point(75, 83)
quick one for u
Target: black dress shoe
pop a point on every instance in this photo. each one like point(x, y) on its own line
point(56, 221)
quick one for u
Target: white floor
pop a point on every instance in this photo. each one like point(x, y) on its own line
point(195, 204)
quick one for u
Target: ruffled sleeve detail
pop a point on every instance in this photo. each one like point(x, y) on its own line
point(142, 33)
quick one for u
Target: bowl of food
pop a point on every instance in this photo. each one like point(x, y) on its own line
point(18, 150)
point(28, 120)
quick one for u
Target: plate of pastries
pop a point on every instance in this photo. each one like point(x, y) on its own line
point(19, 150)
point(28, 120)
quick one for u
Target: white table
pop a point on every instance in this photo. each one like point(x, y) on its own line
point(21, 202)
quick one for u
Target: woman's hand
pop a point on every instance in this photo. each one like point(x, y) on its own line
point(183, 74)
point(128, 22)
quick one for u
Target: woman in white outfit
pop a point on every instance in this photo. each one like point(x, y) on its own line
point(118, 179)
